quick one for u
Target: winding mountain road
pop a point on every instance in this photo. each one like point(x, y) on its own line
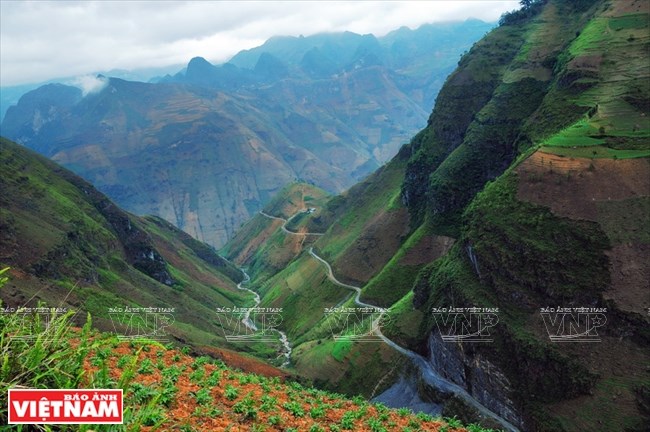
point(430, 376)
point(286, 221)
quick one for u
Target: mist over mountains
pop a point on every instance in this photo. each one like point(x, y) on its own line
point(207, 147)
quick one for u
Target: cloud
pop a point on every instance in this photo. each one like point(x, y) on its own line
point(90, 83)
point(45, 40)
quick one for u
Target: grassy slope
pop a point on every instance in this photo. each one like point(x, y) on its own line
point(357, 224)
point(64, 244)
point(261, 246)
point(286, 276)
point(531, 86)
point(607, 63)
point(595, 107)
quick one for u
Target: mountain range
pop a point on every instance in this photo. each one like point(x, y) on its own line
point(494, 270)
point(206, 148)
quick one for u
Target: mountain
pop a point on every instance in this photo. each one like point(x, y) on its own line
point(68, 246)
point(422, 57)
point(207, 148)
point(525, 201)
point(71, 248)
point(10, 95)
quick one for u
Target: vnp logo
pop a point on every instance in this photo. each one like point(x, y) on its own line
point(256, 324)
point(358, 324)
point(468, 324)
point(35, 322)
point(142, 322)
point(577, 324)
point(65, 406)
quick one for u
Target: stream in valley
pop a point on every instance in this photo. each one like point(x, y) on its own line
point(250, 324)
point(429, 375)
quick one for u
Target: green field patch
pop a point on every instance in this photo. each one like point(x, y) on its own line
point(573, 141)
point(632, 21)
point(612, 133)
point(590, 38)
point(595, 152)
point(341, 348)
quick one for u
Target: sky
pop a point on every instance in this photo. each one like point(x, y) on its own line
point(46, 40)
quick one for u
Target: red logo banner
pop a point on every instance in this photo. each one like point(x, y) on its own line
point(65, 406)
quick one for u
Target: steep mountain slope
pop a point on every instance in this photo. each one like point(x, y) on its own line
point(302, 288)
point(70, 247)
point(207, 148)
point(528, 190)
point(142, 144)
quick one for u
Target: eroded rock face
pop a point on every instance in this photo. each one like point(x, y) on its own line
point(462, 365)
point(405, 394)
point(205, 160)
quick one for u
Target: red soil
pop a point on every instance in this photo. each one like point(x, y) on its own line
point(219, 413)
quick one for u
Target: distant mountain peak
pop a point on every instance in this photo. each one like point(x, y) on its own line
point(198, 61)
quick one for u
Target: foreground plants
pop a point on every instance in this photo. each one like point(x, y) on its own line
point(167, 389)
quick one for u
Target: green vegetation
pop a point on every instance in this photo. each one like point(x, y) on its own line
point(518, 248)
point(436, 178)
point(90, 253)
point(57, 355)
point(350, 214)
point(563, 77)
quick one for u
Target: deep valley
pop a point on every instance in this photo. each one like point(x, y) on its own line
point(344, 239)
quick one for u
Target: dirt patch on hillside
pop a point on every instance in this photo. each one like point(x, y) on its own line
point(571, 187)
point(370, 252)
point(618, 8)
point(603, 191)
point(280, 257)
point(255, 242)
point(239, 361)
point(172, 257)
point(427, 249)
point(588, 62)
point(630, 277)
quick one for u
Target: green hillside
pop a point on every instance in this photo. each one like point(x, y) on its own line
point(70, 247)
point(523, 206)
point(528, 189)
